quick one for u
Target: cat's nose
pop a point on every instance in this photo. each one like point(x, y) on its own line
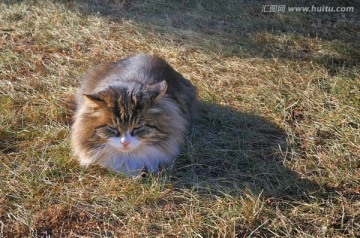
point(125, 140)
point(125, 143)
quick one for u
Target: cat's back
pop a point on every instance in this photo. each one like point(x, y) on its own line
point(146, 69)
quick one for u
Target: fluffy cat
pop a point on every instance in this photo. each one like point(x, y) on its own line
point(132, 114)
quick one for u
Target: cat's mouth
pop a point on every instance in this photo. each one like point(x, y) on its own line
point(122, 148)
point(125, 148)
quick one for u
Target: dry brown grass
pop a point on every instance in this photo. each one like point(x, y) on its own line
point(275, 151)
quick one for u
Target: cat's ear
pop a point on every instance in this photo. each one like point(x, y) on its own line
point(158, 89)
point(94, 101)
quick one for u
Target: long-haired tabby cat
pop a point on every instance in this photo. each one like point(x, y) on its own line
point(132, 114)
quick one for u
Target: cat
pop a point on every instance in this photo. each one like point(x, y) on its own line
point(132, 115)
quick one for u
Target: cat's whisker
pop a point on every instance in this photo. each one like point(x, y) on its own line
point(99, 151)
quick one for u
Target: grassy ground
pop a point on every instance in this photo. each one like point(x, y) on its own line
point(275, 151)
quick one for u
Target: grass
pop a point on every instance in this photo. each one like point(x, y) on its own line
point(275, 152)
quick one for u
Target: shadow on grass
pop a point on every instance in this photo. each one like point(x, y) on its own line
point(241, 28)
point(229, 152)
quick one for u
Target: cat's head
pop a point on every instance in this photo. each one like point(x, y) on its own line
point(127, 117)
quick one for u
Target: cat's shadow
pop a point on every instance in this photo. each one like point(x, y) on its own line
point(228, 152)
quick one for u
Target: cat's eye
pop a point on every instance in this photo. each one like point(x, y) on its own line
point(113, 130)
point(136, 129)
